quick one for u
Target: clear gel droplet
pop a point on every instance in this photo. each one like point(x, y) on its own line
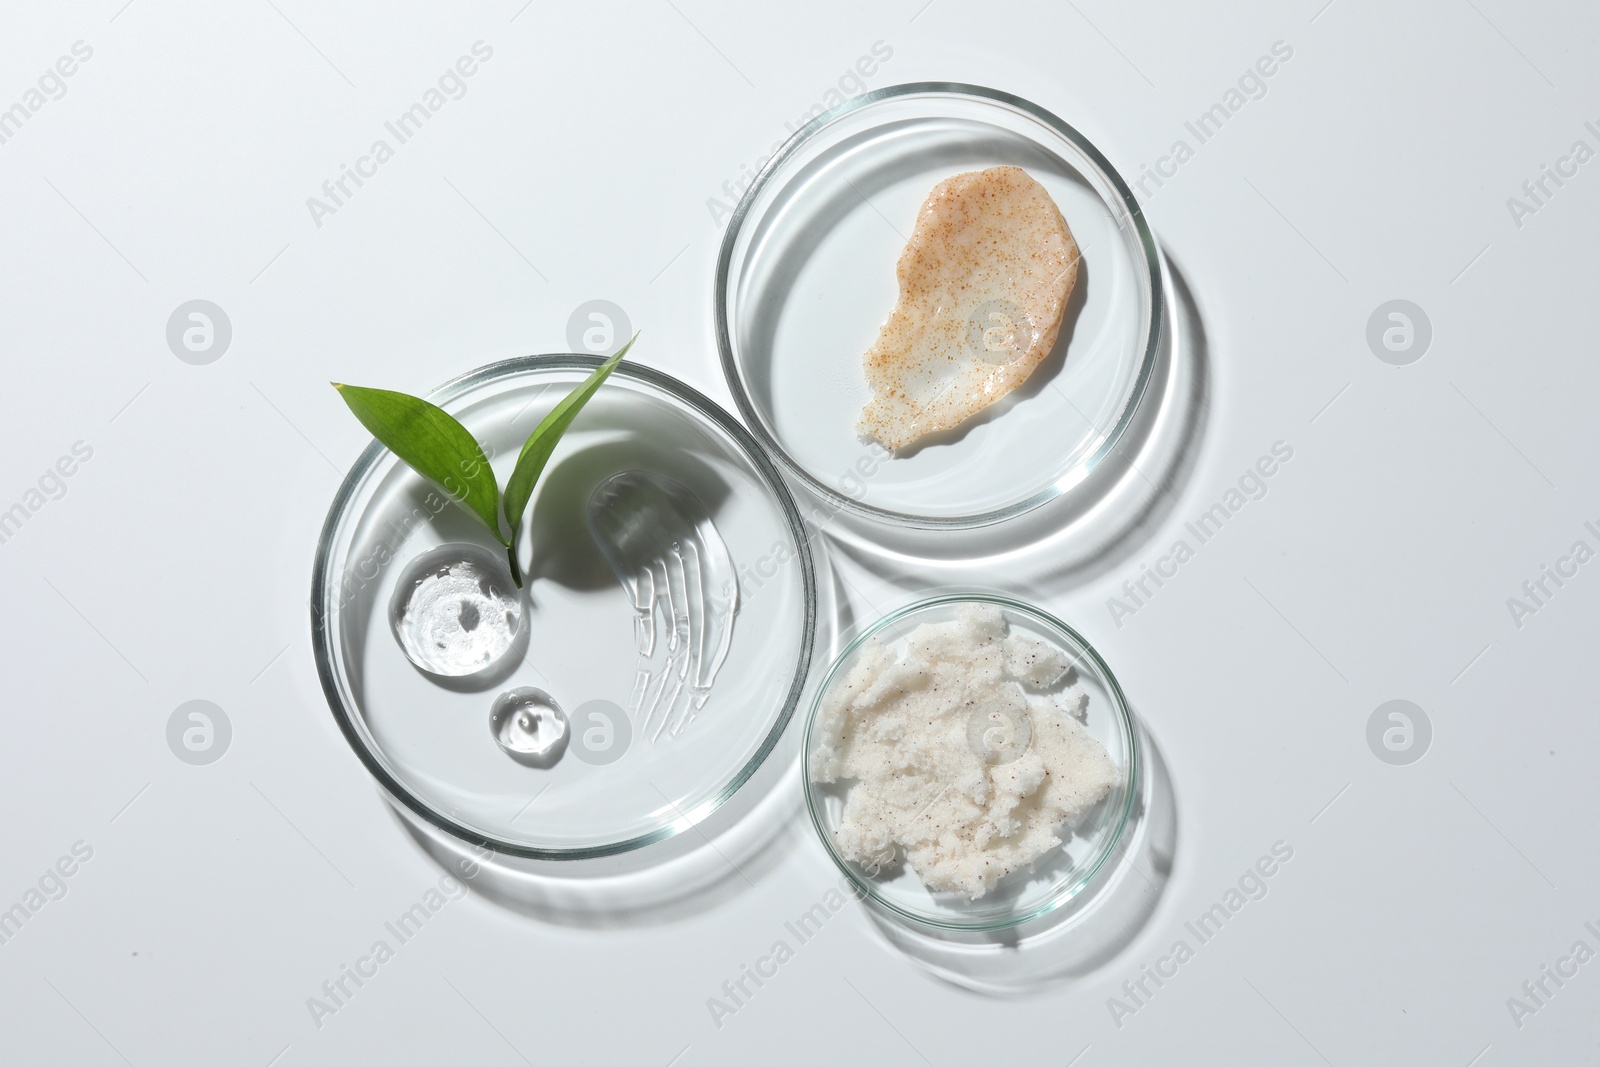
point(529, 726)
point(454, 611)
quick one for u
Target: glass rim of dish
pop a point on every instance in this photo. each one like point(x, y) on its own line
point(1150, 270)
point(322, 638)
point(1123, 716)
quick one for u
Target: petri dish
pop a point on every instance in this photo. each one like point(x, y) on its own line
point(806, 276)
point(621, 783)
point(1087, 845)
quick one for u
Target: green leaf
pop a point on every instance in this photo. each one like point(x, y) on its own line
point(536, 452)
point(435, 445)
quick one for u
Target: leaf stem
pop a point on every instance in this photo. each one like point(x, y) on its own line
point(511, 557)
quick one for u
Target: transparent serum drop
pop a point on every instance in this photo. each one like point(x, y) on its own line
point(661, 544)
point(529, 726)
point(454, 611)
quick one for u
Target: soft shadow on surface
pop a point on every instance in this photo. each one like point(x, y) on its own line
point(841, 621)
point(1076, 939)
point(564, 551)
point(699, 869)
point(1095, 526)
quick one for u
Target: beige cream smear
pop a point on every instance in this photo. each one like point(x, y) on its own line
point(984, 282)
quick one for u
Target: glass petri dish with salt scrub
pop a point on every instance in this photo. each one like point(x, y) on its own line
point(634, 684)
point(807, 276)
point(970, 762)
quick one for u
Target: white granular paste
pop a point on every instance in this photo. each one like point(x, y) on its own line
point(897, 726)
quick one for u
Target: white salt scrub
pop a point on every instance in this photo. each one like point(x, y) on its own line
point(966, 751)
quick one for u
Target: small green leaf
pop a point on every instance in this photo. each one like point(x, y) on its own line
point(536, 452)
point(435, 445)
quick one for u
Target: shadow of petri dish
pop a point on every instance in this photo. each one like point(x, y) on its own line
point(734, 849)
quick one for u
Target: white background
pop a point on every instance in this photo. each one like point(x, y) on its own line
point(578, 166)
